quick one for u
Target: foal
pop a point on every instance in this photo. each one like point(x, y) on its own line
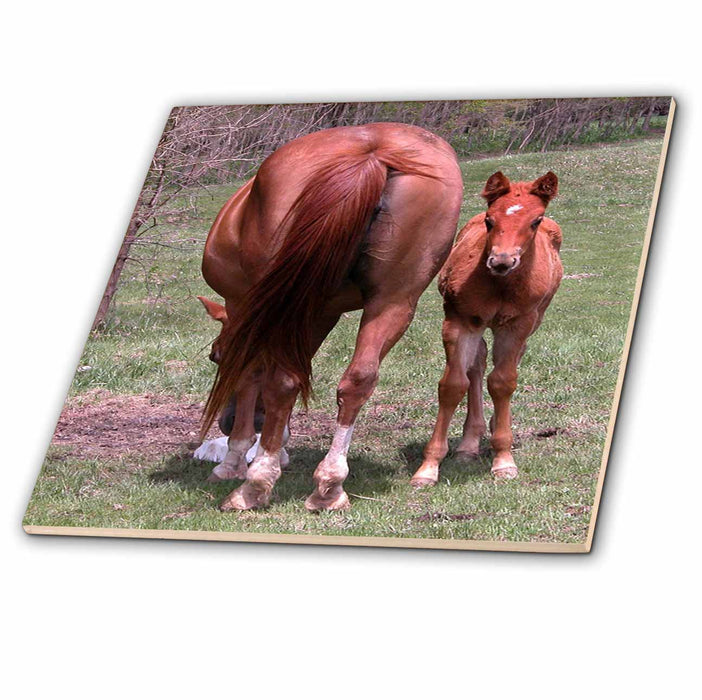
point(502, 274)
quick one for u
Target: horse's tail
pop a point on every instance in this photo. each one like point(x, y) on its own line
point(321, 236)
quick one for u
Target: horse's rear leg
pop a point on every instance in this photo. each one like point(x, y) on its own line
point(461, 345)
point(382, 325)
point(242, 436)
point(474, 426)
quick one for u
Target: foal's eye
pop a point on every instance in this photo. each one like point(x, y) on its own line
point(489, 223)
point(535, 223)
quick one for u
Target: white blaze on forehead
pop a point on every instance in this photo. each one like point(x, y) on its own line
point(514, 208)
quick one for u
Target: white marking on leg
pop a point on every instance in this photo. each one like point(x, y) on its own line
point(331, 473)
point(212, 450)
point(232, 467)
point(333, 469)
point(265, 467)
point(251, 454)
point(341, 442)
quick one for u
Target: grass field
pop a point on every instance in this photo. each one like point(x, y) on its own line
point(151, 362)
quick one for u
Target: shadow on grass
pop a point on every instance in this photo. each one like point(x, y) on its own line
point(367, 477)
point(456, 470)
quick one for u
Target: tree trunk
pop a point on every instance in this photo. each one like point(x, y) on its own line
point(112, 282)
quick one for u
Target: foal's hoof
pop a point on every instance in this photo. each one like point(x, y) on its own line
point(426, 475)
point(505, 473)
point(336, 501)
point(421, 481)
point(246, 497)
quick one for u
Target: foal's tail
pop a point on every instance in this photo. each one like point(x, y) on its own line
point(322, 233)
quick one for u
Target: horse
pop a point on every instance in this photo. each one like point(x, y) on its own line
point(340, 219)
point(501, 274)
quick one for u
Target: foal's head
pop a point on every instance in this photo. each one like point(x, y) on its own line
point(514, 213)
point(218, 313)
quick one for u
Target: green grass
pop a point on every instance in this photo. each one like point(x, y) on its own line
point(157, 342)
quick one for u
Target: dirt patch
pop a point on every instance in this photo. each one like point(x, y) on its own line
point(103, 425)
point(307, 427)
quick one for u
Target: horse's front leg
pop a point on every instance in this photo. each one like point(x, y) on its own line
point(242, 435)
point(461, 346)
point(508, 348)
point(280, 391)
point(381, 327)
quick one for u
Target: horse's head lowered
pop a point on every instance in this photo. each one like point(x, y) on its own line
point(218, 313)
point(514, 213)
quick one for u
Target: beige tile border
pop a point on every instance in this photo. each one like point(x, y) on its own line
point(413, 543)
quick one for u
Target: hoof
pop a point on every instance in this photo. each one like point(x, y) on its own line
point(421, 481)
point(316, 503)
point(222, 473)
point(246, 497)
point(504, 473)
point(426, 475)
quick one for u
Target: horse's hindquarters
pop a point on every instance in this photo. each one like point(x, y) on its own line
point(411, 235)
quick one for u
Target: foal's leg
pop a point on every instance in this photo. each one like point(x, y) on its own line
point(461, 346)
point(280, 392)
point(509, 346)
point(382, 325)
point(242, 436)
point(474, 426)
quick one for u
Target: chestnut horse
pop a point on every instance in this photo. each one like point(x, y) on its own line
point(501, 274)
point(348, 218)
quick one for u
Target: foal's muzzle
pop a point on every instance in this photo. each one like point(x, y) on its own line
point(502, 263)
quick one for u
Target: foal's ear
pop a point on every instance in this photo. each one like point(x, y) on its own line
point(546, 187)
point(496, 186)
point(214, 310)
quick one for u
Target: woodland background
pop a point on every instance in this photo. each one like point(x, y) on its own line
point(210, 145)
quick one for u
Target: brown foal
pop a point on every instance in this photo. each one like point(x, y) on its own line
point(502, 274)
point(347, 218)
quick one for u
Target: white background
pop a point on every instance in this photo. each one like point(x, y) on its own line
point(86, 90)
